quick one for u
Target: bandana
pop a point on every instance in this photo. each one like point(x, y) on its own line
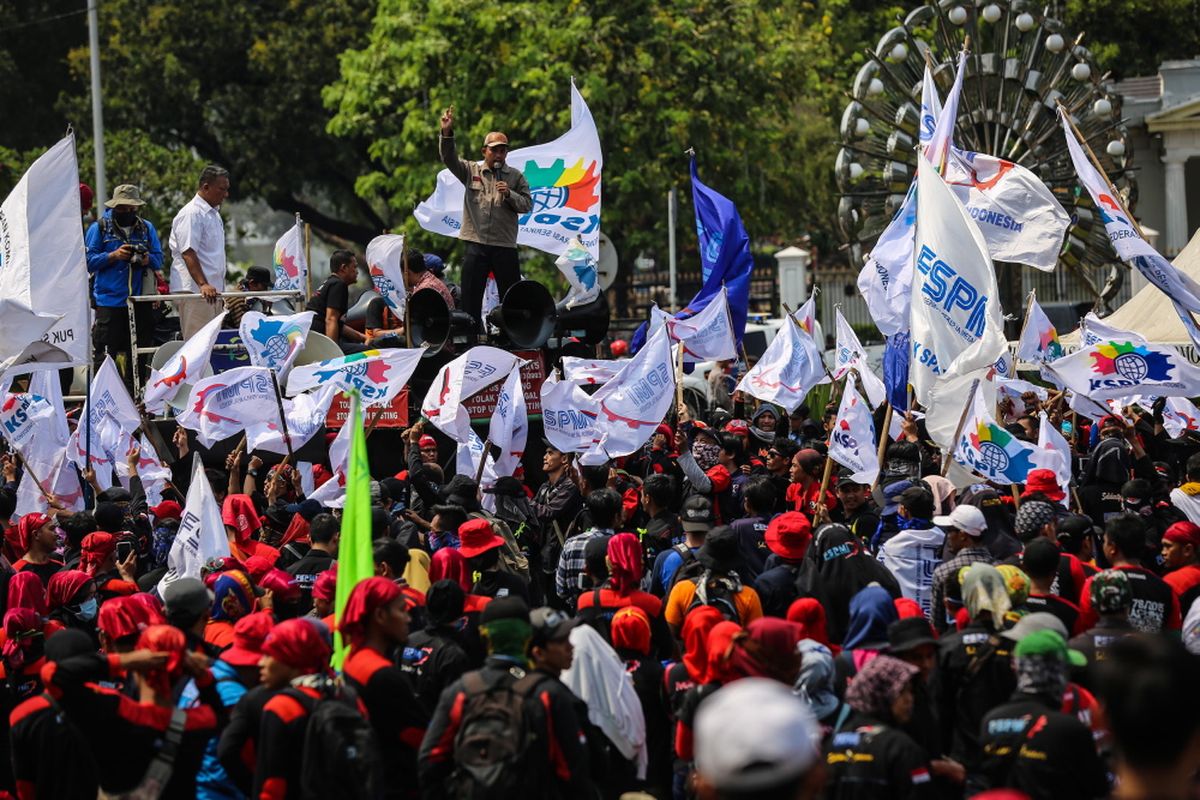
point(23, 628)
point(631, 630)
point(809, 614)
point(696, 626)
point(449, 564)
point(128, 615)
point(983, 589)
point(1032, 516)
point(169, 640)
point(767, 649)
point(369, 595)
point(97, 547)
point(233, 596)
point(239, 513)
point(26, 527)
point(508, 637)
point(64, 586)
point(706, 453)
point(877, 686)
point(325, 586)
point(1110, 592)
point(624, 562)
point(1043, 675)
point(720, 646)
point(302, 643)
point(1016, 583)
point(25, 590)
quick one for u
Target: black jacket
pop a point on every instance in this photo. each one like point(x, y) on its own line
point(868, 760)
point(974, 674)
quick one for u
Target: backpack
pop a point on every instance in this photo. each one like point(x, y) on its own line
point(718, 591)
point(341, 755)
point(599, 617)
point(491, 748)
point(512, 560)
point(690, 569)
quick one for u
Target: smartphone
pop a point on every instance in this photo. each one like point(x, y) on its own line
point(123, 551)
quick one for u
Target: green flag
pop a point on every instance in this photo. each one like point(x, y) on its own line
point(355, 560)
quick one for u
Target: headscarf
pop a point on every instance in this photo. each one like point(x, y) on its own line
point(367, 596)
point(239, 513)
point(767, 649)
point(630, 630)
point(163, 639)
point(26, 527)
point(943, 493)
point(1110, 592)
point(1016, 582)
point(297, 530)
point(97, 547)
point(624, 563)
point(983, 589)
point(25, 590)
point(759, 433)
point(815, 682)
point(844, 569)
point(907, 608)
point(449, 564)
point(871, 611)
point(808, 613)
point(302, 643)
point(325, 585)
point(281, 586)
point(999, 537)
point(23, 629)
point(64, 586)
point(233, 596)
point(1043, 675)
point(878, 684)
point(720, 645)
point(128, 615)
point(696, 627)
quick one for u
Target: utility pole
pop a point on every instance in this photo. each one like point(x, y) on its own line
point(93, 13)
point(671, 211)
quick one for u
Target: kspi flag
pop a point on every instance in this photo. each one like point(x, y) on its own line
point(377, 375)
point(1180, 415)
point(201, 535)
point(564, 182)
point(274, 342)
point(852, 440)
point(469, 374)
point(849, 354)
point(183, 368)
point(1039, 340)
point(789, 368)
point(291, 265)
point(957, 325)
point(1117, 369)
point(578, 266)
point(568, 415)
point(229, 403)
point(385, 264)
point(635, 401)
point(591, 370)
point(1093, 330)
point(989, 450)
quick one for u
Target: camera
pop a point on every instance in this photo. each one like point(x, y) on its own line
point(140, 251)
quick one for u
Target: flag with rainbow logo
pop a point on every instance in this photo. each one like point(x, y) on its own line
point(1114, 369)
point(291, 266)
point(988, 450)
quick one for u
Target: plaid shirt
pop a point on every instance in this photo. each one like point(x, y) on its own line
point(946, 571)
point(571, 564)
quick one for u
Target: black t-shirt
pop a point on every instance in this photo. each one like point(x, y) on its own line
point(1060, 607)
point(495, 583)
point(335, 294)
point(306, 571)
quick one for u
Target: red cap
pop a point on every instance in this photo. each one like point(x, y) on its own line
point(1184, 533)
point(738, 426)
point(167, 509)
point(1111, 419)
point(618, 348)
point(666, 431)
point(789, 535)
point(426, 441)
point(248, 635)
point(477, 537)
point(1046, 482)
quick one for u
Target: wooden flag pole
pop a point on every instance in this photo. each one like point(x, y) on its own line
point(1016, 496)
point(1079, 137)
point(36, 481)
point(375, 418)
point(884, 436)
point(307, 258)
point(962, 420)
point(287, 439)
point(487, 449)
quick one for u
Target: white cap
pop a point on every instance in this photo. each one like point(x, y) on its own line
point(968, 519)
point(755, 734)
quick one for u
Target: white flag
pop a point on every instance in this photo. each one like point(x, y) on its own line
point(568, 415)
point(507, 433)
point(849, 354)
point(591, 370)
point(852, 441)
point(385, 263)
point(185, 367)
point(153, 473)
point(990, 451)
point(43, 268)
point(1180, 415)
point(789, 368)
point(564, 182)
point(378, 375)
point(931, 107)
point(469, 374)
point(1093, 330)
point(201, 531)
point(578, 266)
point(941, 141)
point(1039, 340)
point(957, 325)
point(112, 416)
point(57, 476)
point(708, 335)
point(229, 403)
point(274, 342)
point(305, 413)
point(887, 272)
point(332, 493)
point(1054, 453)
point(291, 264)
point(1119, 369)
point(635, 401)
point(1128, 243)
point(24, 418)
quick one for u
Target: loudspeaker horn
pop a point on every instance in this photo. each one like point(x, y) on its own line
point(434, 324)
point(526, 316)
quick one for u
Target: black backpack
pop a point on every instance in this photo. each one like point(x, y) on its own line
point(718, 591)
point(491, 748)
point(598, 616)
point(690, 569)
point(341, 754)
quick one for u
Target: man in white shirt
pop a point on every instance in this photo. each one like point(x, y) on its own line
point(198, 252)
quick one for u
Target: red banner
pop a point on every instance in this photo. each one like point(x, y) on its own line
point(394, 415)
point(480, 406)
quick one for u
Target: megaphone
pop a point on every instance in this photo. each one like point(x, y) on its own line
point(434, 324)
point(526, 316)
point(588, 322)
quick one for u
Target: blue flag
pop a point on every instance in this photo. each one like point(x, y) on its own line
point(895, 370)
point(724, 258)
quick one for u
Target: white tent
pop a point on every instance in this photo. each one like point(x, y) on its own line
point(1149, 312)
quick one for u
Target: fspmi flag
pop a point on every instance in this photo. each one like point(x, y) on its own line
point(635, 401)
point(789, 368)
point(708, 335)
point(385, 264)
point(470, 373)
point(1116, 369)
point(275, 341)
point(852, 440)
point(291, 265)
point(183, 368)
point(989, 450)
point(568, 415)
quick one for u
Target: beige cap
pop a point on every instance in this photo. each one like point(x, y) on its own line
point(125, 195)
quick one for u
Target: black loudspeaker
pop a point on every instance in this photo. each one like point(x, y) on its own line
point(526, 316)
point(588, 323)
point(434, 324)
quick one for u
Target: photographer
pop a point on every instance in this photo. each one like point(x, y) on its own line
point(122, 251)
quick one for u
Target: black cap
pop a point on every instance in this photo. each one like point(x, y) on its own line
point(905, 634)
point(511, 607)
point(720, 549)
point(696, 514)
point(261, 275)
point(507, 486)
point(550, 625)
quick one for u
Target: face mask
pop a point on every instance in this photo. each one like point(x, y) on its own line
point(87, 609)
point(125, 219)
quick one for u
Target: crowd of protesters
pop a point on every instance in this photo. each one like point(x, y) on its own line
point(718, 616)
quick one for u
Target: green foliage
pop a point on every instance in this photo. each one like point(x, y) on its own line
point(1132, 37)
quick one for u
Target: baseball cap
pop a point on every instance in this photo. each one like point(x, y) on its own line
point(968, 519)
point(167, 509)
point(754, 734)
point(511, 607)
point(696, 514)
point(495, 137)
point(789, 535)
point(1110, 592)
point(186, 599)
point(720, 549)
point(1049, 643)
point(507, 486)
point(1034, 623)
point(550, 625)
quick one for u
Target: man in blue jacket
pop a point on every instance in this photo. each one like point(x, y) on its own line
point(121, 246)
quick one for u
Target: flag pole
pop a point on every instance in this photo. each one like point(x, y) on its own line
point(1079, 137)
point(287, 439)
point(36, 481)
point(828, 472)
point(962, 420)
point(678, 376)
point(487, 449)
point(307, 257)
point(884, 436)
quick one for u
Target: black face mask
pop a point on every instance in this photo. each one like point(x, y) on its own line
point(125, 218)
